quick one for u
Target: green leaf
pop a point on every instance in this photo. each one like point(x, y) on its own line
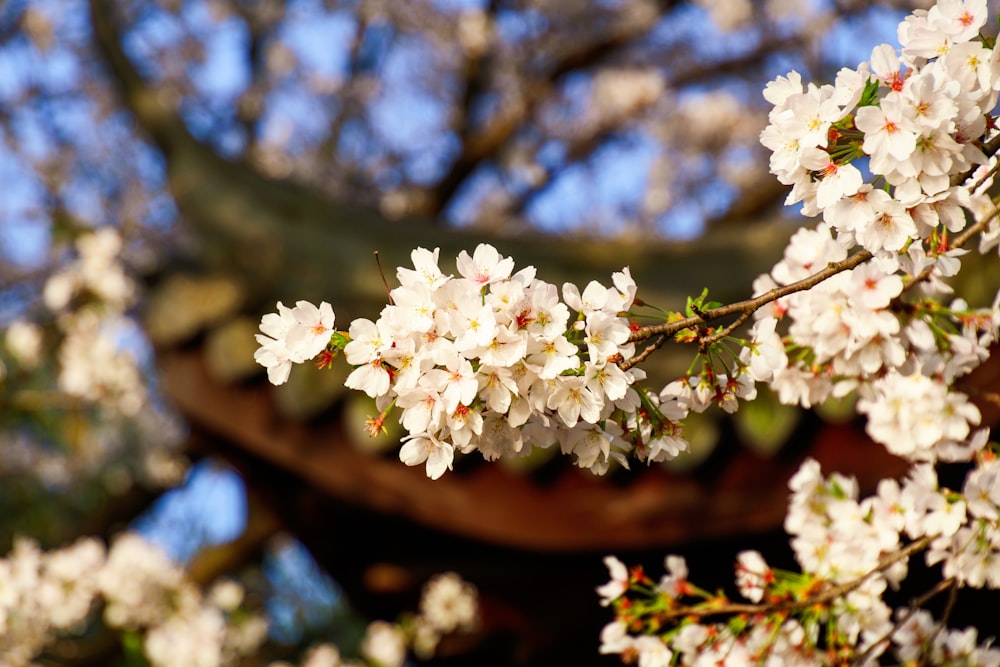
point(696, 303)
point(339, 340)
point(869, 94)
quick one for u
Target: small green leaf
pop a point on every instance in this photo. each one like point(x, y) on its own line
point(869, 94)
point(339, 340)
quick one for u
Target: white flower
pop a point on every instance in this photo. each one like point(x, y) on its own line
point(421, 447)
point(766, 352)
point(653, 652)
point(573, 401)
point(273, 353)
point(496, 387)
point(615, 588)
point(594, 297)
point(412, 310)
point(752, 575)
point(425, 271)
point(193, 639)
point(890, 230)
point(607, 380)
point(594, 447)
point(226, 594)
point(138, 582)
point(371, 378)
point(312, 330)
point(675, 582)
point(448, 603)
point(806, 117)
point(460, 384)
point(626, 290)
point(943, 517)
point(969, 64)
point(780, 89)
point(549, 358)
point(69, 582)
point(474, 323)
point(959, 19)
point(666, 447)
point(872, 288)
point(547, 316)
point(836, 180)
point(369, 340)
point(889, 135)
point(912, 415)
point(504, 348)
point(323, 655)
point(292, 335)
point(615, 637)
point(605, 335)
point(384, 644)
point(485, 266)
point(982, 491)
point(24, 340)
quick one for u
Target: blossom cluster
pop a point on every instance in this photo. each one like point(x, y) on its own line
point(47, 595)
point(915, 123)
point(83, 321)
point(853, 333)
point(90, 297)
point(915, 116)
point(491, 361)
point(870, 314)
point(137, 588)
point(850, 550)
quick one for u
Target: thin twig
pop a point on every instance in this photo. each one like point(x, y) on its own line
point(958, 242)
point(648, 350)
point(823, 597)
point(385, 283)
point(751, 305)
point(915, 605)
point(722, 333)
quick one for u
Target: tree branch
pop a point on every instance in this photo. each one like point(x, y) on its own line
point(750, 305)
point(823, 597)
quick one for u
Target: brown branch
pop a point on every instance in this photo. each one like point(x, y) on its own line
point(945, 615)
point(149, 105)
point(825, 595)
point(945, 584)
point(989, 148)
point(725, 331)
point(750, 305)
point(958, 242)
point(247, 108)
point(578, 152)
point(476, 75)
point(348, 96)
point(642, 356)
point(477, 148)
